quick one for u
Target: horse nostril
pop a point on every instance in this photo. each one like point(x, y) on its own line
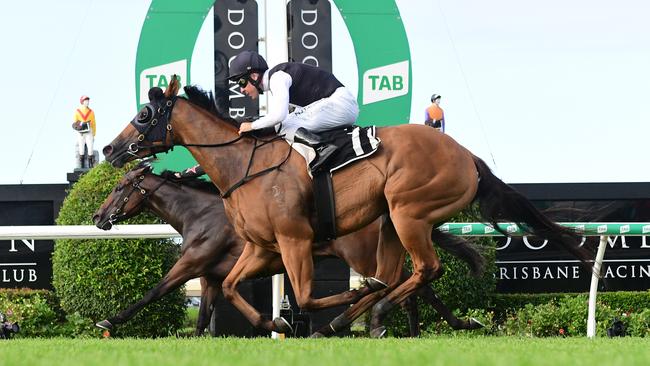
point(107, 150)
point(95, 218)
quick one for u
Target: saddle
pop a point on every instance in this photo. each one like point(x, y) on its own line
point(334, 150)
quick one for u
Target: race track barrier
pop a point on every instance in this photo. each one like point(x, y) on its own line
point(601, 229)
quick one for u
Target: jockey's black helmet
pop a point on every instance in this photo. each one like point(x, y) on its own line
point(435, 96)
point(245, 63)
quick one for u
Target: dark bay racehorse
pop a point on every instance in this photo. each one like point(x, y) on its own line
point(211, 247)
point(420, 177)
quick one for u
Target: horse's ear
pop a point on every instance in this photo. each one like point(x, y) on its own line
point(173, 87)
point(155, 93)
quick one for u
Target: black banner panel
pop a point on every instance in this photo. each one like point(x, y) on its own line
point(26, 263)
point(530, 265)
point(309, 26)
point(235, 30)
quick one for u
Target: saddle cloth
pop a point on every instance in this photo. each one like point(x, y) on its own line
point(353, 143)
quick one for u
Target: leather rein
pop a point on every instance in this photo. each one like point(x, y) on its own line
point(153, 124)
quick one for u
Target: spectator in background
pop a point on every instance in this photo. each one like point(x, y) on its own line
point(84, 124)
point(434, 115)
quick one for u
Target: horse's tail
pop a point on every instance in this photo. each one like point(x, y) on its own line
point(500, 202)
point(461, 249)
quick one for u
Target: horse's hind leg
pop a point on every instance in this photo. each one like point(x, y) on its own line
point(209, 291)
point(180, 273)
point(428, 295)
point(390, 260)
point(413, 315)
point(415, 236)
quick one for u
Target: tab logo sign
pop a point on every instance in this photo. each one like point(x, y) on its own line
point(160, 76)
point(386, 82)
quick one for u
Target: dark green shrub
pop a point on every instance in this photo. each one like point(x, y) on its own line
point(567, 316)
point(637, 323)
point(36, 311)
point(98, 278)
point(627, 301)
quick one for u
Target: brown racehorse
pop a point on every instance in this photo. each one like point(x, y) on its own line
point(211, 247)
point(420, 177)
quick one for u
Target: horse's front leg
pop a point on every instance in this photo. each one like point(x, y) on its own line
point(253, 261)
point(183, 270)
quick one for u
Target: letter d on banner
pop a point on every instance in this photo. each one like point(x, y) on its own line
point(310, 32)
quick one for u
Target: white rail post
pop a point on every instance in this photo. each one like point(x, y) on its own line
point(277, 51)
point(595, 275)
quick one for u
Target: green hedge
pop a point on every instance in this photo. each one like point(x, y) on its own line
point(567, 316)
point(39, 314)
point(98, 278)
point(545, 315)
point(626, 301)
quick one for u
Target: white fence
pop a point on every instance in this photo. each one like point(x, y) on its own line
point(463, 229)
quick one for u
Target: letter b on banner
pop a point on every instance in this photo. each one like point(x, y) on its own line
point(235, 30)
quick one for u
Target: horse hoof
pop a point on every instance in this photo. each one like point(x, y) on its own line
point(282, 326)
point(378, 332)
point(104, 324)
point(317, 335)
point(475, 324)
point(375, 284)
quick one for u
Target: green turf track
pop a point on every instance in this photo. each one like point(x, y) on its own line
point(330, 352)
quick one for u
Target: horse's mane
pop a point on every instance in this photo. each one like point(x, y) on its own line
point(216, 106)
point(194, 182)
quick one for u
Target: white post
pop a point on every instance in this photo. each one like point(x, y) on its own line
point(277, 283)
point(591, 316)
point(275, 37)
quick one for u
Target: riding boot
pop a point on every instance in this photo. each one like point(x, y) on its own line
point(323, 150)
point(91, 161)
point(307, 137)
point(82, 161)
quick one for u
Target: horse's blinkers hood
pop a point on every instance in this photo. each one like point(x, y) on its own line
point(153, 119)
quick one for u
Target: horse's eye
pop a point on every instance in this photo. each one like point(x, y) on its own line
point(145, 114)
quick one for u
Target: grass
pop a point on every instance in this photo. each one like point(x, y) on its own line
point(313, 352)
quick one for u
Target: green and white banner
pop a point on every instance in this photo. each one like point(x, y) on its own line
point(170, 30)
point(588, 228)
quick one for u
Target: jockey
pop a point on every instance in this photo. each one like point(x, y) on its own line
point(434, 116)
point(321, 101)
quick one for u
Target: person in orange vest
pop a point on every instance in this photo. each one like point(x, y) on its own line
point(84, 124)
point(434, 115)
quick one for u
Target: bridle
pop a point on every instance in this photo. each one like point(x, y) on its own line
point(119, 212)
point(153, 124)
